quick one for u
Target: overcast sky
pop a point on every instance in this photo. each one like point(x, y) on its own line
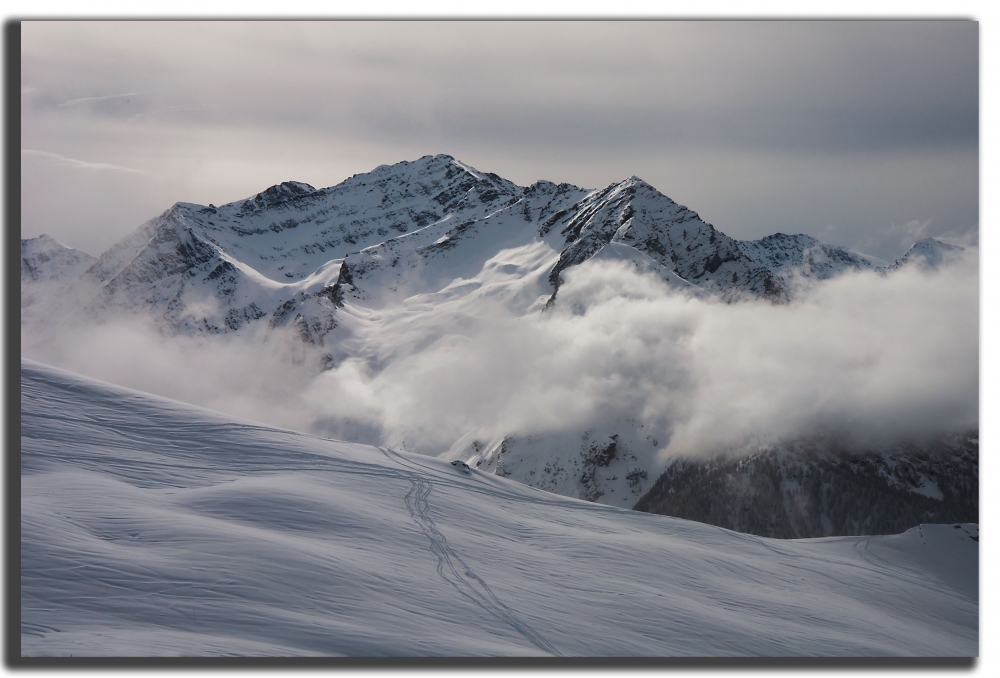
point(863, 134)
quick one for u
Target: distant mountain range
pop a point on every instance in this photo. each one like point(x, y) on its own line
point(437, 230)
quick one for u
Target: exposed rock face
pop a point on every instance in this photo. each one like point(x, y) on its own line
point(610, 468)
point(815, 489)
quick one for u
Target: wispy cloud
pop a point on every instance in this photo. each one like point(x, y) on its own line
point(75, 102)
point(73, 162)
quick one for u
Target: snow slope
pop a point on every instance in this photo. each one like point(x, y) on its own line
point(156, 528)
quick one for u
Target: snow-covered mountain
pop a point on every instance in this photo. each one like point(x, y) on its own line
point(151, 527)
point(293, 253)
point(928, 254)
point(50, 272)
point(346, 266)
point(635, 214)
point(217, 269)
point(798, 257)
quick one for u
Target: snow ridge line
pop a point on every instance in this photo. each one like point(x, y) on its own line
point(481, 595)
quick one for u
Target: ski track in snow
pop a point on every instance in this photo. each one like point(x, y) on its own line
point(478, 592)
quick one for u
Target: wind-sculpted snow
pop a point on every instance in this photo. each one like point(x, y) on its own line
point(431, 259)
point(155, 528)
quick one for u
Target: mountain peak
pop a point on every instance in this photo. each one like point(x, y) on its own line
point(928, 254)
point(46, 257)
point(635, 185)
point(434, 165)
point(277, 194)
point(424, 162)
point(425, 159)
point(42, 243)
point(637, 182)
point(800, 239)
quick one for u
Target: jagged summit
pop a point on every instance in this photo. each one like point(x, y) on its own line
point(633, 213)
point(429, 167)
point(42, 241)
point(422, 165)
point(276, 195)
point(639, 184)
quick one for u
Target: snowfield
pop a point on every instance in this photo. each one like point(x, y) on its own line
point(152, 527)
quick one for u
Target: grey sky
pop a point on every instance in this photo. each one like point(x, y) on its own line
point(859, 133)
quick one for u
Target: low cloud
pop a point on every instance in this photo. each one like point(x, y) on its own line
point(258, 376)
point(863, 356)
point(867, 357)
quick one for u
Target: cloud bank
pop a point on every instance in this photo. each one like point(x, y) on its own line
point(868, 357)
